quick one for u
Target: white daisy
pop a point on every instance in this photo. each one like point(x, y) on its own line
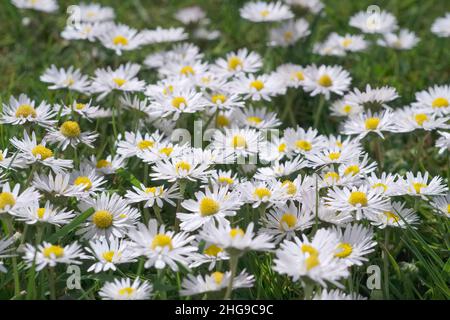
point(85, 110)
point(443, 143)
point(71, 79)
point(371, 97)
point(34, 213)
point(190, 15)
point(337, 295)
point(40, 5)
point(258, 118)
point(155, 195)
point(378, 22)
point(341, 108)
point(58, 185)
point(404, 40)
point(47, 254)
point(160, 35)
point(6, 250)
point(70, 134)
point(88, 179)
point(300, 141)
point(121, 38)
point(134, 144)
point(396, 216)
point(94, 12)
point(326, 80)
point(420, 186)
point(109, 253)
point(366, 122)
point(124, 289)
point(387, 183)
point(211, 254)
point(289, 33)
point(235, 63)
point(260, 11)
point(263, 193)
point(435, 99)
point(256, 88)
point(442, 205)
point(441, 26)
point(410, 119)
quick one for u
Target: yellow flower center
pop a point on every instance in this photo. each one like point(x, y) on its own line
point(334, 155)
point(289, 219)
point(150, 190)
point(333, 176)
point(108, 255)
point(102, 219)
point(358, 197)
point(257, 84)
point(264, 13)
point(119, 81)
point(80, 106)
point(291, 189)
point(347, 109)
point(418, 186)
point(440, 103)
point(166, 150)
point(83, 180)
point(325, 81)
point(103, 164)
point(347, 42)
point(380, 185)
point(420, 118)
point(306, 248)
point(282, 147)
point(303, 144)
point(254, 119)
point(234, 62)
point(168, 89)
point(187, 70)
point(391, 216)
point(236, 232)
point(299, 75)
point(372, 123)
point(120, 40)
point(218, 98)
point(353, 170)
point(225, 180)
point(53, 251)
point(208, 207)
point(40, 213)
point(346, 249)
point(222, 121)
point(42, 151)
point(145, 144)
point(262, 193)
point(25, 110)
point(6, 200)
point(313, 258)
point(178, 102)
point(182, 165)
point(238, 141)
point(212, 250)
point(448, 208)
point(288, 35)
point(126, 291)
point(217, 276)
point(162, 240)
point(70, 129)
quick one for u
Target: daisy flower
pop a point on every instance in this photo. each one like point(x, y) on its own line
point(410, 119)
point(69, 133)
point(211, 254)
point(194, 70)
point(303, 141)
point(341, 108)
point(326, 80)
point(71, 79)
point(40, 5)
point(88, 179)
point(435, 99)
point(364, 202)
point(291, 74)
point(190, 15)
point(216, 281)
point(371, 97)
point(37, 153)
point(314, 6)
point(162, 248)
point(58, 185)
point(258, 118)
point(235, 240)
point(123, 289)
point(443, 143)
point(190, 166)
point(6, 251)
point(256, 88)
point(395, 216)
point(109, 253)
point(379, 22)
point(289, 33)
point(314, 259)
point(134, 144)
point(108, 165)
point(284, 221)
point(420, 186)
point(241, 142)
point(280, 170)
point(122, 79)
point(366, 122)
point(47, 254)
point(34, 213)
point(260, 11)
point(112, 217)
point(236, 63)
point(85, 110)
point(16, 161)
point(155, 195)
point(334, 155)
point(356, 242)
point(262, 193)
point(224, 101)
point(212, 205)
point(442, 205)
point(93, 12)
point(404, 40)
point(23, 111)
point(387, 183)
point(160, 35)
point(121, 38)
point(84, 30)
point(441, 26)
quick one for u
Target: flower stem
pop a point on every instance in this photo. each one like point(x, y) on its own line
point(233, 267)
point(386, 264)
point(319, 111)
point(51, 283)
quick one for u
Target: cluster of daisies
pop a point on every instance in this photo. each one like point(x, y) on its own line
point(311, 202)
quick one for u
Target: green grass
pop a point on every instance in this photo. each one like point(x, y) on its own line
point(419, 266)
